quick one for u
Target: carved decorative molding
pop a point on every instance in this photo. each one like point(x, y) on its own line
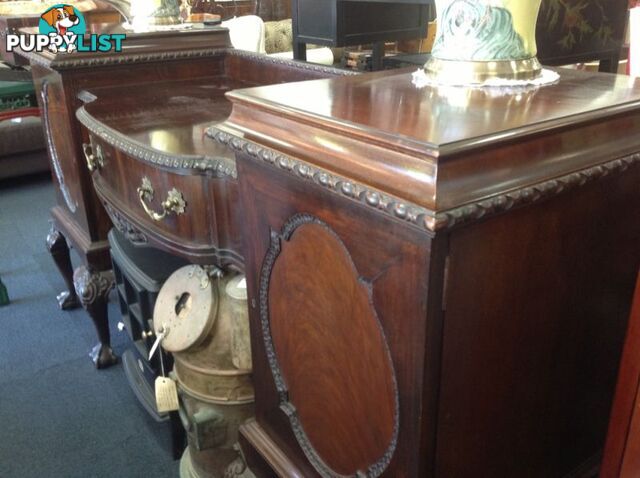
point(275, 248)
point(72, 62)
point(75, 62)
point(53, 152)
point(412, 213)
point(531, 194)
point(323, 69)
point(337, 184)
point(91, 285)
point(220, 167)
point(122, 224)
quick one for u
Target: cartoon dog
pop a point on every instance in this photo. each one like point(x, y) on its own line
point(61, 18)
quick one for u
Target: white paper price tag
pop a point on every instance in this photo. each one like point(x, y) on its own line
point(166, 395)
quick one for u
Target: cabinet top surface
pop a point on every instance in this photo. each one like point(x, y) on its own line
point(445, 119)
point(170, 117)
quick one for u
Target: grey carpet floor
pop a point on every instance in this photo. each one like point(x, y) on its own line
point(59, 416)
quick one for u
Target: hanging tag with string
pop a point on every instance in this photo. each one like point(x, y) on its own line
point(166, 390)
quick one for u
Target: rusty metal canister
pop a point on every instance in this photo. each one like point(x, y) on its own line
point(204, 319)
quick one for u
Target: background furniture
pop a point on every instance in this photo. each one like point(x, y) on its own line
point(279, 42)
point(22, 147)
point(593, 30)
point(226, 10)
point(268, 10)
point(435, 297)
point(251, 33)
point(622, 451)
point(246, 33)
point(22, 143)
point(340, 23)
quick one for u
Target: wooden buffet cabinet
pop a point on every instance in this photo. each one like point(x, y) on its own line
point(439, 280)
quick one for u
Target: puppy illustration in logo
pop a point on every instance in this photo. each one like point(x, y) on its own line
point(61, 19)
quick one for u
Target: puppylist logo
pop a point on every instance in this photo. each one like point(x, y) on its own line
point(62, 29)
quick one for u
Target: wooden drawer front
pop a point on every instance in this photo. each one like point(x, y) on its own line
point(192, 229)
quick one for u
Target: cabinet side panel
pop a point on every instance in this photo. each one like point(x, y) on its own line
point(376, 257)
point(537, 306)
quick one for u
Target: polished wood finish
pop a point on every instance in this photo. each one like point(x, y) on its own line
point(342, 313)
point(59, 78)
point(432, 284)
point(622, 451)
point(59, 250)
point(497, 238)
point(166, 142)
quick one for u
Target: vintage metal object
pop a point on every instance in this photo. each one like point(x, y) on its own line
point(174, 203)
point(204, 319)
point(482, 39)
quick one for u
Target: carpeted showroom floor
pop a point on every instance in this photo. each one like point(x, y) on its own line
point(59, 416)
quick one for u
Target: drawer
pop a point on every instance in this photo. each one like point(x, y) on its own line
point(177, 209)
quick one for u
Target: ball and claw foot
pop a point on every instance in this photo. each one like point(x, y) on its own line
point(103, 356)
point(67, 300)
point(92, 288)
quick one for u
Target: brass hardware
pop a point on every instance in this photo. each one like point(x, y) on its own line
point(472, 72)
point(93, 161)
point(147, 335)
point(173, 204)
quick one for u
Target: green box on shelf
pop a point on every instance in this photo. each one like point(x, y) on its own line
point(15, 95)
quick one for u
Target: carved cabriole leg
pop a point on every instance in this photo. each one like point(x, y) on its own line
point(93, 288)
point(59, 250)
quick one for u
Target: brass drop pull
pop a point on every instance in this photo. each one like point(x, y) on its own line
point(94, 161)
point(173, 204)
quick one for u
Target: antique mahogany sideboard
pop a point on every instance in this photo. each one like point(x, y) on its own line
point(341, 23)
point(78, 217)
point(160, 179)
point(439, 279)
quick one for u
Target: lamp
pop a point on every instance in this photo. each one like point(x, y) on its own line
point(482, 39)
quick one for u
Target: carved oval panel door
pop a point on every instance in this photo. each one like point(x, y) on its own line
point(328, 352)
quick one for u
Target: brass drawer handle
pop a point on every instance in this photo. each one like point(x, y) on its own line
point(94, 161)
point(173, 204)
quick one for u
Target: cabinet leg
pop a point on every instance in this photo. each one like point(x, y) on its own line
point(59, 250)
point(93, 288)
